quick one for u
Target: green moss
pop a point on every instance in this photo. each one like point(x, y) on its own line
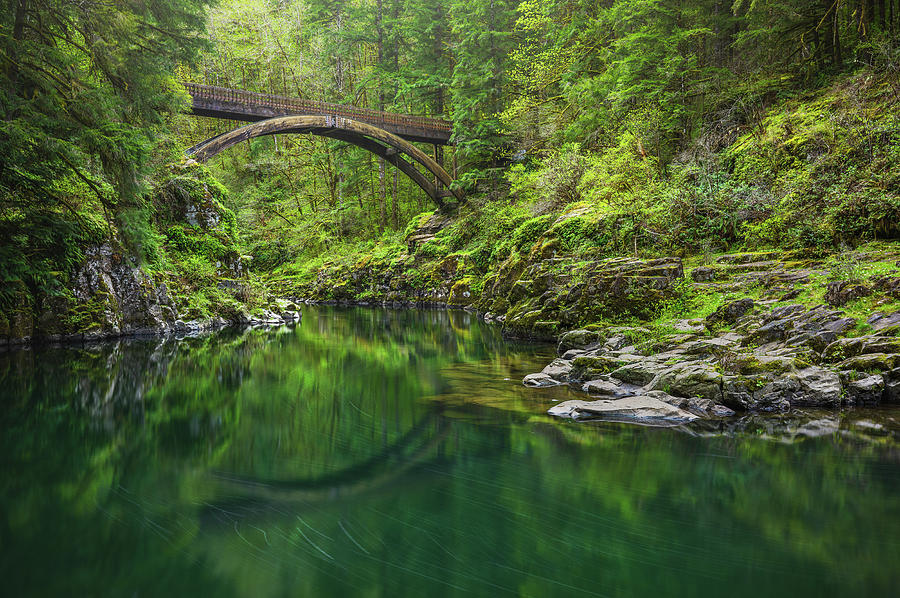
point(86, 316)
point(416, 222)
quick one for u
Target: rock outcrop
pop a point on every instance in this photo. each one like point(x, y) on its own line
point(771, 360)
point(537, 297)
point(109, 294)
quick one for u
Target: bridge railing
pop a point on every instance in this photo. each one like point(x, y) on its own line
point(251, 99)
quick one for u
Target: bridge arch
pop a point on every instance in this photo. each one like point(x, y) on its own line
point(369, 137)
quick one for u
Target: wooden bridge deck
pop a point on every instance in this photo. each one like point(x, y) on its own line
point(238, 104)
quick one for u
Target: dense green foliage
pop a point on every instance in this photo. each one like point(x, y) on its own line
point(668, 127)
point(648, 127)
point(84, 90)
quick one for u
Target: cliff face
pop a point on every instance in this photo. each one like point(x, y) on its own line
point(197, 278)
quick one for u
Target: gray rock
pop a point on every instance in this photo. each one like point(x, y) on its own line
point(638, 408)
point(691, 379)
point(776, 396)
point(132, 301)
point(786, 311)
point(578, 339)
point(699, 380)
point(748, 258)
point(841, 292)
point(818, 341)
point(615, 342)
point(640, 373)
point(700, 407)
point(539, 381)
point(607, 388)
point(708, 346)
point(558, 369)
point(819, 387)
point(892, 386)
point(880, 322)
point(871, 362)
point(774, 363)
point(738, 391)
point(865, 391)
point(587, 367)
point(689, 326)
point(704, 274)
point(775, 330)
point(861, 345)
point(840, 325)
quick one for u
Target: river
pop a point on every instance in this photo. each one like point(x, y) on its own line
point(391, 453)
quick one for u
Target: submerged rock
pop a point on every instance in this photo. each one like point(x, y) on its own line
point(539, 380)
point(640, 408)
point(818, 427)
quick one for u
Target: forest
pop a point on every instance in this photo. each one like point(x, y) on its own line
point(644, 127)
point(450, 298)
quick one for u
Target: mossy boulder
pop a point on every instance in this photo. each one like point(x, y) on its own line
point(589, 367)
point(461, 293)
point(579, 339)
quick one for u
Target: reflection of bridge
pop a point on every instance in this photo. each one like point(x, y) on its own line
point(385, 134)
point(411, 450)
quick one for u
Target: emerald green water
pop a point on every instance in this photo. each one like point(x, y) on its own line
point(396, 453)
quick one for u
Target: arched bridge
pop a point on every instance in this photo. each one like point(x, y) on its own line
point(387, 135)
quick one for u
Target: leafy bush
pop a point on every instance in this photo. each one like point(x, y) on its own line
point(432, 249)
point(197, 271)
point(527, 233)
point(579, 233)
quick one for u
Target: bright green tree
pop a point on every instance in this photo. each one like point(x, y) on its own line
point(84, 91)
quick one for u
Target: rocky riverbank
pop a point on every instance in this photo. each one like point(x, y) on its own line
point(750, 355)
point(112, 297)
point(765, 360)
point(669, 339)
point(197, 282)
point(537, 294)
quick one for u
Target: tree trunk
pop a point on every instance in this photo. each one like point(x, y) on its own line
point(18, 34)
point(383, 197)
point(19, 24)
point(817, 42)
point(837, 58)
point(396, 204)
point(379, 30)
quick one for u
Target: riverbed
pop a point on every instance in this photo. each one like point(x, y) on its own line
point(371, 452)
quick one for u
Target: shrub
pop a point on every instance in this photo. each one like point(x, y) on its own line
point(527, 233)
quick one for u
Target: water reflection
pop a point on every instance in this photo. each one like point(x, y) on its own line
point(392, 453)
